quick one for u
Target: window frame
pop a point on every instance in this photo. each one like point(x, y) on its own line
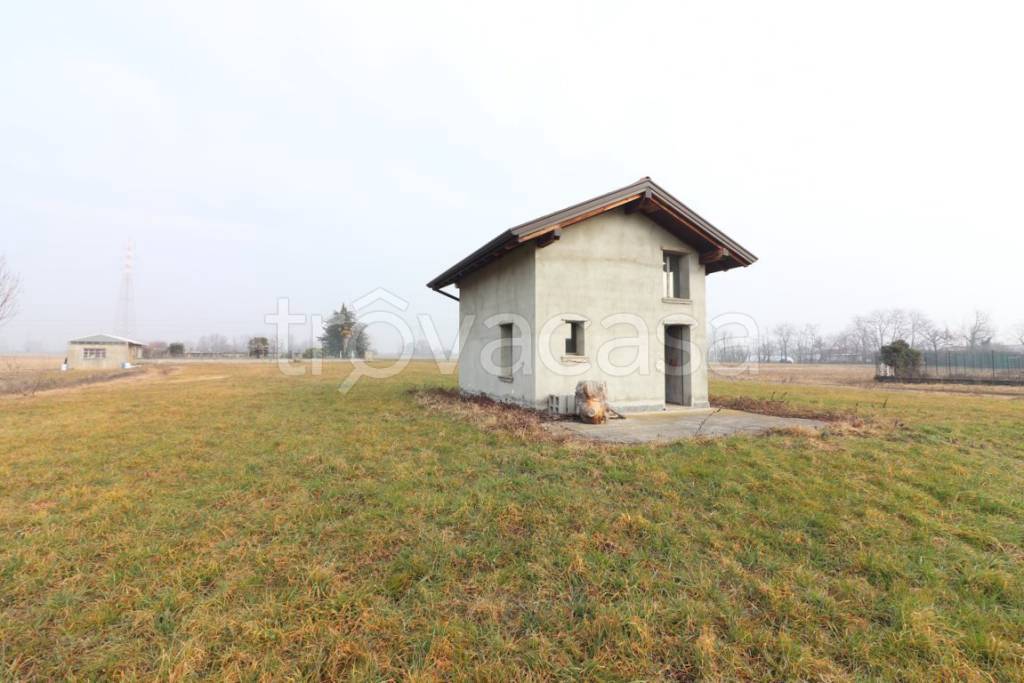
point(675, 282)
point(575, 343)
point(506, 335)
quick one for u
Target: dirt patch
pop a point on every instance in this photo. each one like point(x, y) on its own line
point(839, 422)
point(780, 408)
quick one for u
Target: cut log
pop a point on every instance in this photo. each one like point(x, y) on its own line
point(592, 402)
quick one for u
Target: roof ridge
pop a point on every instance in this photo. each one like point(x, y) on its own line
point(116, 337)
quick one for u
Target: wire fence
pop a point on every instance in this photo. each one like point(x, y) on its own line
point(982, 366)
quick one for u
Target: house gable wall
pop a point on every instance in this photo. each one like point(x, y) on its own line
point(607, 270)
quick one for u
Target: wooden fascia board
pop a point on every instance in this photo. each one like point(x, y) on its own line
point(572, 220)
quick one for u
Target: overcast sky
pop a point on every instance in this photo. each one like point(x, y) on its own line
point(869, 153)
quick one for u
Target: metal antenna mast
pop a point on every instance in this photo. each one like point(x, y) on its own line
point(126, 302)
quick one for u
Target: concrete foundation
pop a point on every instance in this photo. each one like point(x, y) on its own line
point(675, 424)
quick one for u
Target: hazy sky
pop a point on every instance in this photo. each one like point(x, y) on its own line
point(869, 153)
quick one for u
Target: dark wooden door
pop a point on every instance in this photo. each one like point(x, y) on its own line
point(677, 365)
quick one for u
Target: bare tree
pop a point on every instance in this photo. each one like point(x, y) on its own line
point(819, 346)
point(10, 287)
point(808, 343)
point(765, 346)
point(864, 337)
point(784, 335)
point(979, 331)
point(885, 326)
point(900, 322)
point(937, 337)
point(214, 343)
point(834, 345)
point(918, 325)
point(727, 348)
point(1018, 332)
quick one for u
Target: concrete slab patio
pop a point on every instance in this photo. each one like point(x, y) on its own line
point(680, 423)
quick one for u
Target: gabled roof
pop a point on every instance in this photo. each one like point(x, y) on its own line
point(104, 339)
point(717, 250)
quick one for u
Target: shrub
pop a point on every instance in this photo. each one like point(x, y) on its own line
point(904, 360)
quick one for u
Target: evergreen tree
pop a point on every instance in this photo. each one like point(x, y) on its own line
point(344, 336)
point(904, 361)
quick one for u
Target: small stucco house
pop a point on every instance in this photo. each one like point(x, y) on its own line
point(610, 289)
point(102, 352)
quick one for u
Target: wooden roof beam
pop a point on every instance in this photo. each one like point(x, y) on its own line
point(549, 237)
point(714, 256)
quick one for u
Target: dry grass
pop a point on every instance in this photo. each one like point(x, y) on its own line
point(24, 362)
point(845, 422)
point(777, 405)
point(487, 414)
point(228, 522)
point(28, 375)
point(795, 373)
point(483, 412)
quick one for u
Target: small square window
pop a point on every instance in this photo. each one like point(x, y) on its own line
point(574, 342)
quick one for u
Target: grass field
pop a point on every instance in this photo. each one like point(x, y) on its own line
point(851, 375)
point(226, 521)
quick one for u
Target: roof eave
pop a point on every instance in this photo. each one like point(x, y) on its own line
point(502, 242)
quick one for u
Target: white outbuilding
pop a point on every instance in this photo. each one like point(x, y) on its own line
point(102, 352)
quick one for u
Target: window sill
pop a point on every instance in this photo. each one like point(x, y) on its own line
point(575, 359)
point(671, 300)
point(505, 378)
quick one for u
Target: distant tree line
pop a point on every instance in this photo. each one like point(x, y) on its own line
point(213, 345)
point(861, 340)
point(343, 336)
